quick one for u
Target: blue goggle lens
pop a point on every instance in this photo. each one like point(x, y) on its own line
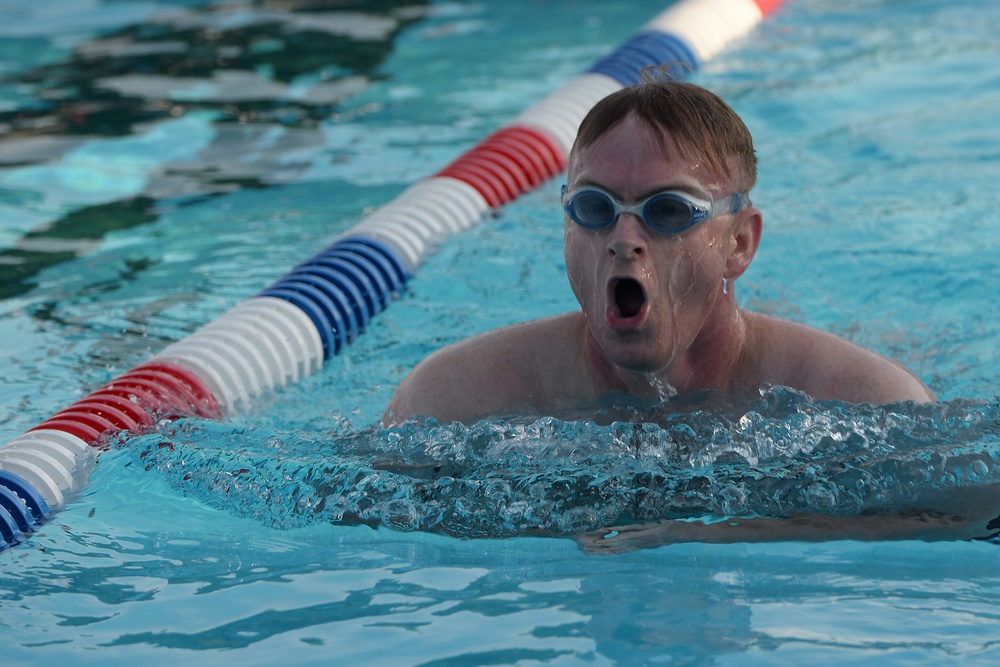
point(592, 209)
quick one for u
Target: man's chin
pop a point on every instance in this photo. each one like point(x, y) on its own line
point(635, 358)
point(636, 351)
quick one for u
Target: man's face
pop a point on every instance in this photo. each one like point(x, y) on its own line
point(647, 296)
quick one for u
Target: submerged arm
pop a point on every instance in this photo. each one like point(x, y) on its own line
point(914, 525)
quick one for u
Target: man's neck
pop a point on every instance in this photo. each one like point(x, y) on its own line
point(716, 359)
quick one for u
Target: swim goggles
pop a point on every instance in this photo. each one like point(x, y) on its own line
point(669, 212)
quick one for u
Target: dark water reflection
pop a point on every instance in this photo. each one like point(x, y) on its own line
point(265, 69)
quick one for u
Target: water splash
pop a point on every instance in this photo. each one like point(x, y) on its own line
point(770, 456)
point(664, 390)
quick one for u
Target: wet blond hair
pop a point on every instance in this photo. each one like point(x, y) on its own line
point(691, 120)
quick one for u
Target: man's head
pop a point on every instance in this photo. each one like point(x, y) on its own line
point(686, 118)
point(653, 296)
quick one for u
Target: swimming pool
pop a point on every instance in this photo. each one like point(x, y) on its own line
point(879, 152)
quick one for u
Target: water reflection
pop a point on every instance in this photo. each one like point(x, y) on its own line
point(223, 96)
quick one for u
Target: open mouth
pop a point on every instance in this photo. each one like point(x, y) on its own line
point(629, 297)
point(627, 304)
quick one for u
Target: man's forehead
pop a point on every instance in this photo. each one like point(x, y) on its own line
point(670, 148)
point(695, 167)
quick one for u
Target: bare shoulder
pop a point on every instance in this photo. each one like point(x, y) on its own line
point(522, 364)
point(827, 366)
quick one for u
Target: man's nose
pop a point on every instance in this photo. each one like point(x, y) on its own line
point(628, 237)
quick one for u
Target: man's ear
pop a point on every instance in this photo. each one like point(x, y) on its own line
point(745, 237)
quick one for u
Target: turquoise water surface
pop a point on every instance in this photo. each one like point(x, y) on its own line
point(163, 161)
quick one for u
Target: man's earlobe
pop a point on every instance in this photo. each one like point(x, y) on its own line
point(746, 233)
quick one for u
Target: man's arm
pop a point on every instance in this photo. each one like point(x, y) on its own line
point(923, 525)
point(531, 365)
point(450, 385)
point(826, 366)
point(955, 513)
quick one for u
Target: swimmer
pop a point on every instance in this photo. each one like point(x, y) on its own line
point(659, 227)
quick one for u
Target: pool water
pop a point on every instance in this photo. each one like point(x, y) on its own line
point(129, 221)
